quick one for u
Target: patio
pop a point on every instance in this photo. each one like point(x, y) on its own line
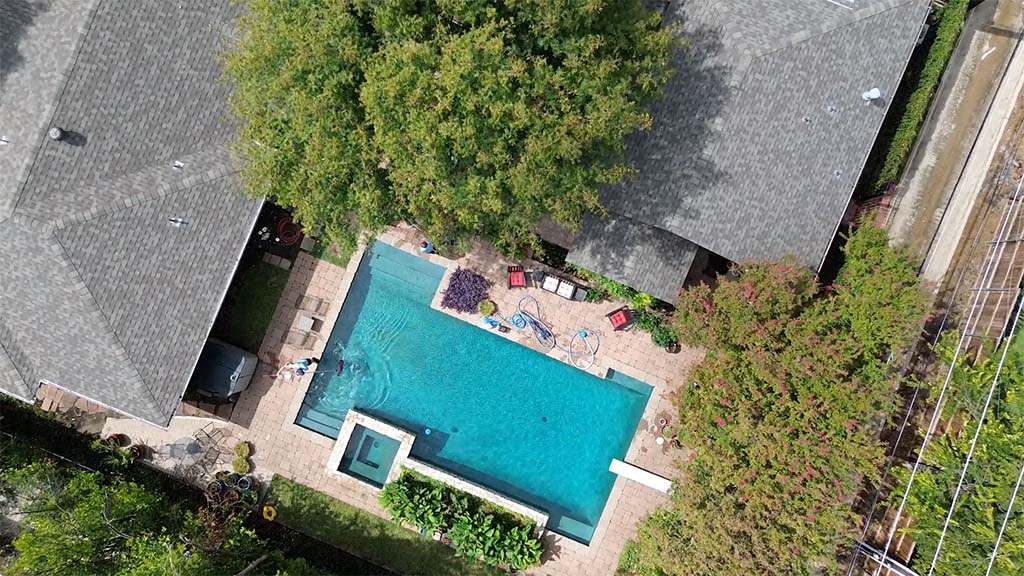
point(265, 413)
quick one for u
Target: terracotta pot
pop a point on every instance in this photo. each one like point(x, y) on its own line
point(139, 451)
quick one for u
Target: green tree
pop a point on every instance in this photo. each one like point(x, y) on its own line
point(466, 117)
point(782, 415)
point(990, 478)
point(75, 523)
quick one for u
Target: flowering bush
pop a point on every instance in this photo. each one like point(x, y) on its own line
point(782, 414)
point(466, 289)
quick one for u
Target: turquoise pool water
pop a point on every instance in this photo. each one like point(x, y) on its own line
point(500, 414)
point(369, 455)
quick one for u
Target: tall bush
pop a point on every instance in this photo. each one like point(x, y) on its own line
point(782, 415)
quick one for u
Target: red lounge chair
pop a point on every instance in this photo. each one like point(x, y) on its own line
point(516, 277)
point(621, 319)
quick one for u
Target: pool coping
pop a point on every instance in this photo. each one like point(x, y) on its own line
point(599, 369)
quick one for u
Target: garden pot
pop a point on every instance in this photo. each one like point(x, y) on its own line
point(249, 498)
point(139, 451)
point(231, 479)
point(221, 475)
point(245, 483)
point(119, 440)
point(214, 488)
point(231, 497)
point(673, 349)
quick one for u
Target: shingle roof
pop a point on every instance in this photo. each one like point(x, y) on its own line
point(103, 294)
point(647, 258)
point(763, 131)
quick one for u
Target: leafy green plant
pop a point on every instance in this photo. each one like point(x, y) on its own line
point(642, 301)
point(486, 307)
point(477, 529)
point(240, 465)
point(113, 455)
point(664, 336)
point(242, 449)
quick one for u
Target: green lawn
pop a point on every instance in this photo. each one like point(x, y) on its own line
point(365, 535)
point(250, 305)
point(332, 253)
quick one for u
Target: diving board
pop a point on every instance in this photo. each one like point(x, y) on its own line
point(636, 474)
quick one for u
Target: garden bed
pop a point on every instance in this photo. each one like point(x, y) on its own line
point(365, 535)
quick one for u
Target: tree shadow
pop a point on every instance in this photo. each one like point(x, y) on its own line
point(16, 16)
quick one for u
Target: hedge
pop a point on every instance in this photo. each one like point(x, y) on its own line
point(476, 528)
point(951, 20)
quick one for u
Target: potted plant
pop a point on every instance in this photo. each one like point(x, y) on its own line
point(214, 488)
point(240, 466)
point(139, 451)
point(246, 482)
point(119, 440)
point(486, 307)
point(665, 337)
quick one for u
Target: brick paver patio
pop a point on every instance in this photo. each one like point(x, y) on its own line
point(265, 413)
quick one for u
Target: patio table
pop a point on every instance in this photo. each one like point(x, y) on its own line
point(187, 451)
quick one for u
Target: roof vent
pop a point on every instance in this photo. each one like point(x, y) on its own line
point(177, 222)
point(178, 164)
point(807, 119)
point(4, 141)
point(837, 173)
point(871, 95)
point(832, 109)
point(56, 134)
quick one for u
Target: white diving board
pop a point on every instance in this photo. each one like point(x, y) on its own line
point(649, 479)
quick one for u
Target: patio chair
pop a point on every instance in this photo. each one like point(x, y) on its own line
point(313, 305)
point(621, 319)
point(212, 435)
point(516, 277)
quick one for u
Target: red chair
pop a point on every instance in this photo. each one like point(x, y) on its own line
point(516, 277)
point(621, 319)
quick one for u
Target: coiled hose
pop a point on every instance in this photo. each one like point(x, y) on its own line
point(528, 316)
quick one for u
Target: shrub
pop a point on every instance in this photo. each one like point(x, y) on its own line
point(242, 449)
point(782, 415)
point(889, 167)
point(466, 289)
point(486, 307)
point(240, 465)
point(477, 528)
point(664, 336)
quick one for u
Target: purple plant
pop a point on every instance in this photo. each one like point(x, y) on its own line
point(465, 291)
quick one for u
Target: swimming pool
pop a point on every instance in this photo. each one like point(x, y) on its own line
point(499, 414)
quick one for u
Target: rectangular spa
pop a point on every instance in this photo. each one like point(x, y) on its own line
point(484, 408)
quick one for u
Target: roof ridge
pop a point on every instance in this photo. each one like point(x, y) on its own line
point(121, 351)
point(13, 373)
point(219, 167)
point(842, 20)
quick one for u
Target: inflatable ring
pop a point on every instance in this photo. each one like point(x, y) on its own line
point(269, 513)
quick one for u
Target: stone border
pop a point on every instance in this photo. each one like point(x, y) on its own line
point(355, 417)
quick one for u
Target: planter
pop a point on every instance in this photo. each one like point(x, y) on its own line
point(231, 497)
point(231, 479)
point(674, 349)
point(246, 483)
point(139, 451)
point(486, 307)
point(221, 475)
point(250, 498)
point(214, 488)
point(119, 440)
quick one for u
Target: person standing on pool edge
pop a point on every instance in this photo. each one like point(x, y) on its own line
point(427, 247)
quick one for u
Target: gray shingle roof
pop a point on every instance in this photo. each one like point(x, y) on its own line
point(644, 257)
point(103, 294)
point(763, 131)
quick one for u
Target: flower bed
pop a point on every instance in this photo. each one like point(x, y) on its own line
point(473, 527)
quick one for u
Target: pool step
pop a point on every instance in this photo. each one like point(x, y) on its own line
point(319, 422)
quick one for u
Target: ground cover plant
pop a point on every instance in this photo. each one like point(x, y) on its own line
point(782, 415)
point(990, 479)
point(476, 528)
point(466, 290)
point(366, 535)
point(468, 118)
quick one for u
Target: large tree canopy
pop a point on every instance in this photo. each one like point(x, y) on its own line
point(782, 415)
point(467, 117)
